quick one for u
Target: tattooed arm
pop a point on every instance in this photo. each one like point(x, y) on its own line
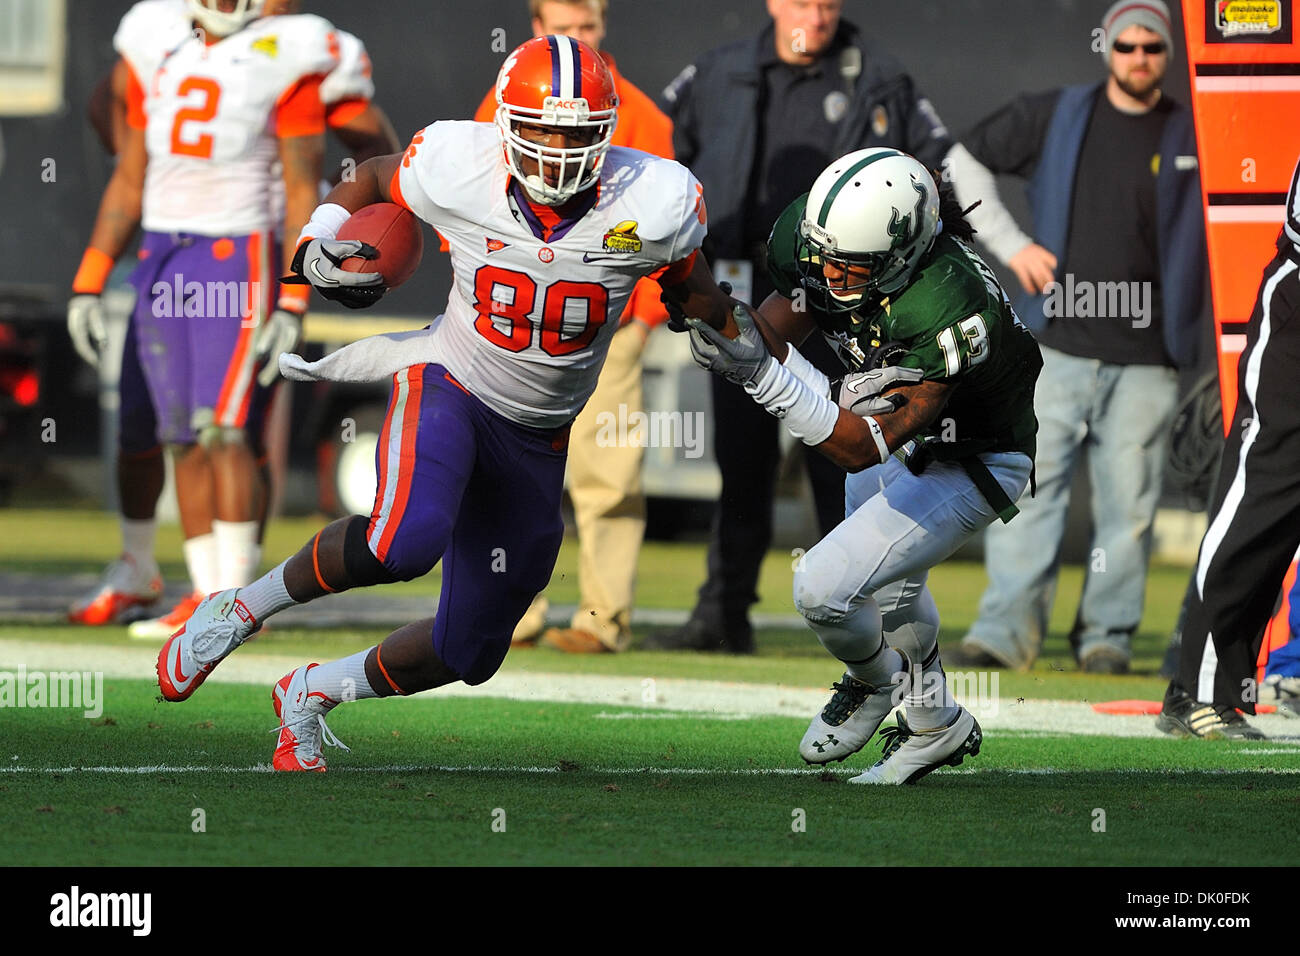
point(852, 444)
point(119, 209)
point(301, 158)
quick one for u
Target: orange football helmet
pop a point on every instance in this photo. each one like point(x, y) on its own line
point(559, 82)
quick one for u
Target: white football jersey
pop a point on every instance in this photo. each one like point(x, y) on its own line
point(349, 82)
point(528, 321)
point(351, 79)
point(213, 113)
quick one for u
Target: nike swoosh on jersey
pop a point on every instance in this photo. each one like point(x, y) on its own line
point(588, 257)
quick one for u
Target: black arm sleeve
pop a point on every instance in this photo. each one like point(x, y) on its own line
point(1010, 140)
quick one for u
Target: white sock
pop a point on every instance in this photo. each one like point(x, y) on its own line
point(137, 541)
point(882, 671)
point(858, 640)
point(267, 595)
point(342, 680)
point(238, 552)
point(930, 703)
point(202, 563)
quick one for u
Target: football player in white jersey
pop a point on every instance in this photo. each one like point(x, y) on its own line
point(550, 228)
point(133, 581)
point(215, 97)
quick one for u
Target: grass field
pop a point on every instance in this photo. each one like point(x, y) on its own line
point(642, 758)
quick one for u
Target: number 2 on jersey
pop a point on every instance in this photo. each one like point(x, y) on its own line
point(492, 281)
point(201, 146)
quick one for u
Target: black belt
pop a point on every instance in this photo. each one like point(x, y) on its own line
point(979, 474)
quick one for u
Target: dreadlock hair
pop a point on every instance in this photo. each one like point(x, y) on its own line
point(950, 211)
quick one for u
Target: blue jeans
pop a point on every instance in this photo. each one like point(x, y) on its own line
point(1122, 414)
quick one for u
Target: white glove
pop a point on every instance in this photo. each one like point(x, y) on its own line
point(859, 393)
point(86, 326)
point(277, 335)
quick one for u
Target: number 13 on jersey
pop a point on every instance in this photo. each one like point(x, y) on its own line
point(969, 350)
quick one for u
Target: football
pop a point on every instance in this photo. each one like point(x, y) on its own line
point(394, 232)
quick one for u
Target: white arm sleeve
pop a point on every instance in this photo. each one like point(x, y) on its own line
point(996, 227)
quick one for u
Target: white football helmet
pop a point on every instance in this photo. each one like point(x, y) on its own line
point(222, 23)
point(877, 208)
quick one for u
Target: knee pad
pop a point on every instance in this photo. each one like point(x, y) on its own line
point(211, 435)
point(820, 588)
point(220, 436)
point(855, 636)
point(360, 563)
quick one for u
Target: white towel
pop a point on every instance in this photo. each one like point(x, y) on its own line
point(372, 359)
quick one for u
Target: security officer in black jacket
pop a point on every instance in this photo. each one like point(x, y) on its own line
point(756, 121)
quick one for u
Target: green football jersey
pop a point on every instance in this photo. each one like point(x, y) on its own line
point(957, 325)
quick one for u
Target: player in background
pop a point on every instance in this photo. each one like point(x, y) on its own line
point(228, 94)
point(880, 257)
point(133, 581)
point(471, 458)
point(604, 480)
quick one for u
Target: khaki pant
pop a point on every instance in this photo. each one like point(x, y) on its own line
point(605, 487)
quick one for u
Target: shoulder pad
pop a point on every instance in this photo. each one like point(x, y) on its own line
point(303, 43)
point(781, 265)
point(351, 79)
point(148, 30)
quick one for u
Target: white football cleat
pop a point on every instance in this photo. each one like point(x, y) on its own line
point(124, 585)
point(218, 625)
point(850, 718)
point(302, 724)
point(911, 754)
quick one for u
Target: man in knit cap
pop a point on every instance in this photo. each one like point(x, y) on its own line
point(1113, 274)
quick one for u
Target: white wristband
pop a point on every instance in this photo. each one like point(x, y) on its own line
point(878, 433)
point(806, 372)
point(808, 416)
point(325, 222)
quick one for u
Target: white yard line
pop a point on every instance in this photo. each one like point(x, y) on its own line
point(647, 771)
point(649, 697)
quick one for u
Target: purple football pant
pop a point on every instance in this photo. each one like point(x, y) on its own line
point(199, 301)
point(137, 425)
point(460, 483)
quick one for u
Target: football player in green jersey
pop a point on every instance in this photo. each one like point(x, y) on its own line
point(934, 420)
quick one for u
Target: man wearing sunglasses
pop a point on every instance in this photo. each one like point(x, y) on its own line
point(1113, 274)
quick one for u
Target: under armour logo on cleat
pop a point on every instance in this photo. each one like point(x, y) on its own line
point(830, 741)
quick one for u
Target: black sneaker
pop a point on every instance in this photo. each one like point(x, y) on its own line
point(968, 655)
point(1104, 659)
point(695, 635)
point(1184, 716)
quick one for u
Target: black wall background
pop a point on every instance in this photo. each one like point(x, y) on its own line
point(434, 59)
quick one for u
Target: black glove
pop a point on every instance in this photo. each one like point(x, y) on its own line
point(316, 263)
